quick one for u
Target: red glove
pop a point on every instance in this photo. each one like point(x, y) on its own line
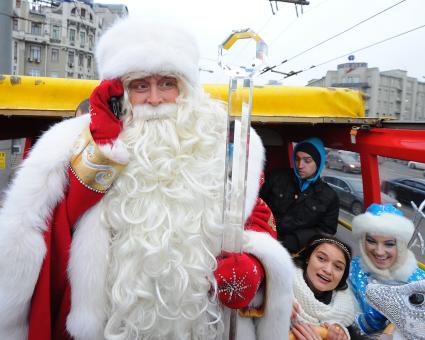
point(238, 278)
point(104, 126)
point(261, 219)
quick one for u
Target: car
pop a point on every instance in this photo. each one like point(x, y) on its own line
point(416, 165)
point(405, 189)
point(350, 193)
point(343, 160)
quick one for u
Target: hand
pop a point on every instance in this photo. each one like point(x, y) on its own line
point(238, 278)
point(261, 219)
point(305, 331)
point(104, 126)
point(295, 311)
point(335, 332)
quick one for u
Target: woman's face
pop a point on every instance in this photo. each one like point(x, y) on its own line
point(381, 250)
point(325, 267)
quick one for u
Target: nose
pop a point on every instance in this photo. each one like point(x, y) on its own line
point(327, 268)
point(154, 97)
point(379, 250)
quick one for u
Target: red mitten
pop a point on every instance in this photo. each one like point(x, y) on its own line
point(104, 126)
point(261, 219)
point(238, 278)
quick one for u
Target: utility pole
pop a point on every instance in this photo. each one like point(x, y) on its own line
point(6, 7)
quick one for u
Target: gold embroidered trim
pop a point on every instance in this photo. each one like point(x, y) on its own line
point(91, 167)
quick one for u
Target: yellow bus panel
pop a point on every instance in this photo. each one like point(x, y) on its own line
point(24, 95)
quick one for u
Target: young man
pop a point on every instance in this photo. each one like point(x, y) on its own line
point(112, 227)
point(301, 202)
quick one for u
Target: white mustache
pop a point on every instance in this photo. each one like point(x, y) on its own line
point(149, 112)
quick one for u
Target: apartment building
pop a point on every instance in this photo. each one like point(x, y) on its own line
point(57, 38)
point(387, 94)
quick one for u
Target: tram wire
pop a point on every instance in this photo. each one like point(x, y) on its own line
point(293, 73)
point(271, 68)
point(285, 29)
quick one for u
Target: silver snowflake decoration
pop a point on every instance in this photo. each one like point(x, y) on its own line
point(236, 287)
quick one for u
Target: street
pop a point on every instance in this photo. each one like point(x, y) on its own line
point(389, 169)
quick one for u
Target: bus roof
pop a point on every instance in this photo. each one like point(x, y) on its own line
point(55, 97)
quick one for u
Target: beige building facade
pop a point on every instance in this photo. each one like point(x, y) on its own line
point(57, 38)
point(387, 94)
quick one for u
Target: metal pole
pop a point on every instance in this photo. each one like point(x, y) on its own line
point(237, 145)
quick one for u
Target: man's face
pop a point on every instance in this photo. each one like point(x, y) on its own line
point(305, 165)
point(153, 90)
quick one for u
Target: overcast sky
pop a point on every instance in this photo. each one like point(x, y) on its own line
point(288, 35)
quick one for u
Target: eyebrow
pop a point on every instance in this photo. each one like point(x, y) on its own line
point(337, 261)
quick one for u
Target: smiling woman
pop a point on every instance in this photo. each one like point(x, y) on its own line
point(383, 234)
point(320, 290)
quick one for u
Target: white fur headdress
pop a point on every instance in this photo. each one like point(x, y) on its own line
point(382, 220)
point(389, 221)
point(134, 45)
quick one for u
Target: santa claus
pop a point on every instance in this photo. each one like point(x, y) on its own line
point(111, 229)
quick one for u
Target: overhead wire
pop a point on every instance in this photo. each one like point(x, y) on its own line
point(293, 73)
point(271, 68)
point(287, 27)
point(346, 30)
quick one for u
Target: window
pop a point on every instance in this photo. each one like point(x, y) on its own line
point(71, 59)
point(35, 53)
point(15, 24)
point(80, 59)
point(89, 62)
point(82, 38)
point(36, 28)
point(91, 17)
point(90, 41)
point(56, 32)
point(55, 55)
point(34, 72)
point(70, 74)
point(15, 51)
point(72, 35)
point(83, 12)
point(74, 11)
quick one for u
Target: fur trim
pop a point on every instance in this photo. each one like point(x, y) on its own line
point(401, 270)
point(87, 271)
point(255, 168)
point(280, 271)
point(386, 224)
point(33, 194)
point(245, 329)
point(133, 45)
point(116, 151)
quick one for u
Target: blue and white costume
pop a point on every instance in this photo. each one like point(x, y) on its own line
point(389, 221)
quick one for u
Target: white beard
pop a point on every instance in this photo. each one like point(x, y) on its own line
point(163, 213)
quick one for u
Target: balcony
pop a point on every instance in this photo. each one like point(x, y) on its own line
point(363, 85)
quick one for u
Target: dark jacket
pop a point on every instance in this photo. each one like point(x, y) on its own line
point(300, 215)
point(302, 209)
